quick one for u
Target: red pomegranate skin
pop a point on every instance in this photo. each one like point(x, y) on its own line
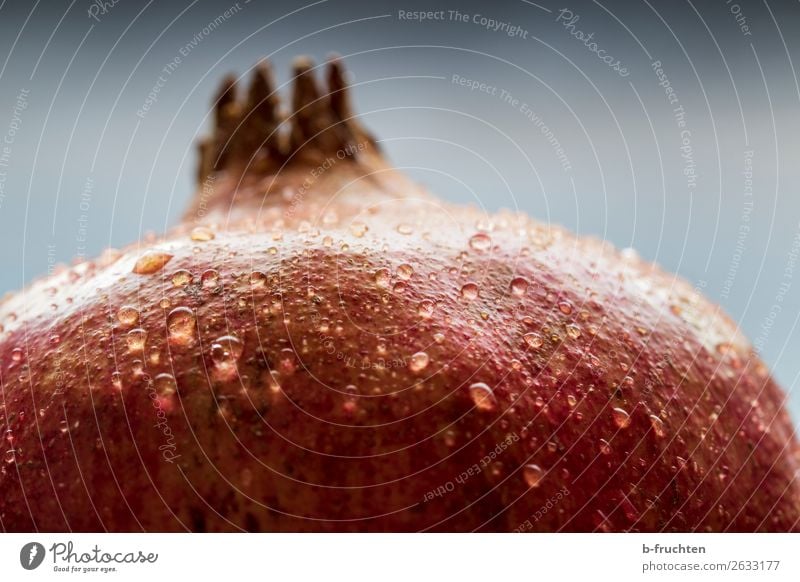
point(336, 350)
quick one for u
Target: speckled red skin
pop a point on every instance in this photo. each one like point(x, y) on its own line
point(269, 450)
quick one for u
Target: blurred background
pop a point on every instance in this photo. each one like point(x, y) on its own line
point(670, 127)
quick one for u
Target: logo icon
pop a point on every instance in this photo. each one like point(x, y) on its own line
point(31, 555)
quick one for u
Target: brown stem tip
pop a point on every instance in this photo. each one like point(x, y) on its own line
point(321, 122)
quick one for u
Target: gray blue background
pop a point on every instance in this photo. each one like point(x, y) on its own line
point(86, 172)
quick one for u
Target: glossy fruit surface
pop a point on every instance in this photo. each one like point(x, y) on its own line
point(322, 345)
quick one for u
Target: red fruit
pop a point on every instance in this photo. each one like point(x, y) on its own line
point(321, 345)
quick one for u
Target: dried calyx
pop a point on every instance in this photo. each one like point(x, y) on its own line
point(252, 134)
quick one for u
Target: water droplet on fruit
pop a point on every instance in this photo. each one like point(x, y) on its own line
point(287, 362)
point(621, 418)
point(137, 369)
point(399, 287)
point(533, 475)
point(165, 385)
point(658, 425)
point(480, 242)
point(155, 356)
point(209, 279)
point(181, 326)
point(358, 229)
point(418, 362)
point(150, 263)
point(16, 355)
point(405, 271)
point(724, 347)
point(116, 380)
point(383, 277)
point(349, 407)
point(438, 337)
point(10, 456)
point(604, 447)
point(225, 353)
point(533, 340)
point(181, 278)
point(274, 382)
point(425, 308)
point(482, 396)
point(571, 400)
point(405, 229)
point(519, 286)
point(165, 390)
point(128, 315)
point(469, 291)
point(257, 279)
point(136, 339)
point(350, 404)
point(202, 234)
point(573, 331)
point(565, 307)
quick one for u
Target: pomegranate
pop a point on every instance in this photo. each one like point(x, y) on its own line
point(323, 345)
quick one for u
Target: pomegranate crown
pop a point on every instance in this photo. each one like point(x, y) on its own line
point(253, 133)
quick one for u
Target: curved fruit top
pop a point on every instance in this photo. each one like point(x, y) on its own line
point(322, 345)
